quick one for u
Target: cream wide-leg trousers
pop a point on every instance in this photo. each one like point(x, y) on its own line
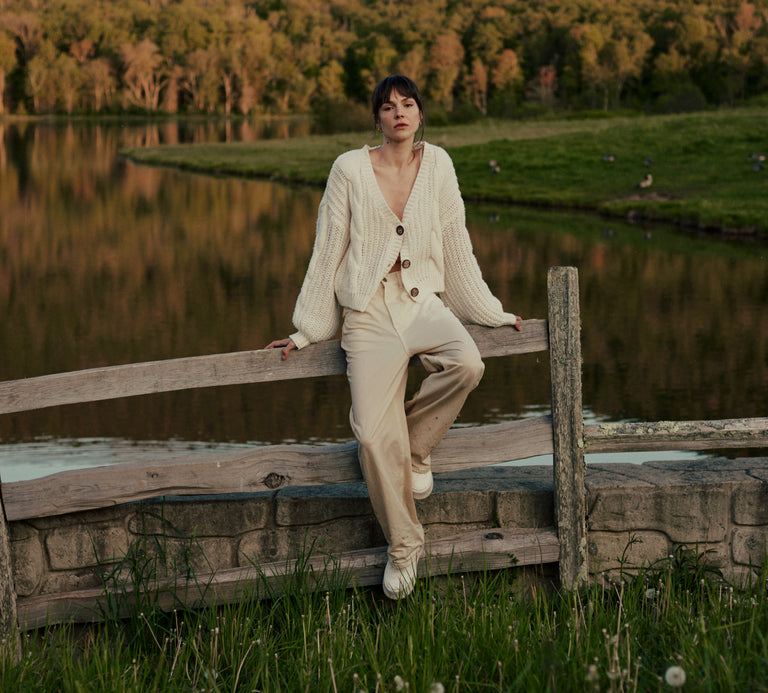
point(395, 437)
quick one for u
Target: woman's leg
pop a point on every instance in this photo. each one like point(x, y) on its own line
point(455, 368)
point(379, 343)
point(377, 369)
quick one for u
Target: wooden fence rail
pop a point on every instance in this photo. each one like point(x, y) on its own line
point(563, 434)
point(237, 368)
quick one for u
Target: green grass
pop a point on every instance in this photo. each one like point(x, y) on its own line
point(703, 174)
point(483, 632)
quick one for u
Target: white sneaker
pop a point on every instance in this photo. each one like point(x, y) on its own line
point(422, 484)
point(397, 582)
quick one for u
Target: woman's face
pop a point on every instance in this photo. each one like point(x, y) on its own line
point(399, 118)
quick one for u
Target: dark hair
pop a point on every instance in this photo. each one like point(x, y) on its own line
point(402, 85)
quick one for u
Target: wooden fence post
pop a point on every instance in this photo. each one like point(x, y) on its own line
point(567, 423)
point(9, 625)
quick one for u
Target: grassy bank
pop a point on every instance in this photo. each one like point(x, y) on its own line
point(702, 165)
point(464, 633)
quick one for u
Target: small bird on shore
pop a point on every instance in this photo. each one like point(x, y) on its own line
point(646, 182)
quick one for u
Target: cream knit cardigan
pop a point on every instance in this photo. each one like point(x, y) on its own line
point(359, 238)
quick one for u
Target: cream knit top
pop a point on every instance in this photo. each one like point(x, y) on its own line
point(359, 238)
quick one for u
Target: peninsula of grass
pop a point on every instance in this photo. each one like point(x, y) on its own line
point(706, 167)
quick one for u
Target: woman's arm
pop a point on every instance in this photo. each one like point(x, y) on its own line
point(466, 292)
point(316, 315)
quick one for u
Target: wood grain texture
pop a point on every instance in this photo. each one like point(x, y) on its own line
point(567, 423)
point(676, 435)
point(8, 616)
point(236, 368)
point(492, 549)
point(257, 469)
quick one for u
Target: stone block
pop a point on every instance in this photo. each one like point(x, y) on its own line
point(688, 514)
point(499, 478)
point(190, 556)
point(463, 507)
point(749, 544)
point(18, 531)
point(525, 508)
point(749, 503)
point(270, 545)
point(89, 545)
point(28, 561)
point(741, 577)
point(607, 550)
point(70, 580)
point(225, 516)
point(114, 514)
point(315, 505)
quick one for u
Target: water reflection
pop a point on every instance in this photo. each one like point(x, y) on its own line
point(103, 262)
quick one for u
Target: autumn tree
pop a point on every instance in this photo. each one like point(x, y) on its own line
point(143, 76)
point(7, 63)
point(67, 77)
point(477, 85)
point(445, 57)
point(98, 83)
point(738, 35)
point(40, 78)
point(286, 56)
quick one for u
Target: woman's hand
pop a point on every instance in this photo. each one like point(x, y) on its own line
point(287, 345)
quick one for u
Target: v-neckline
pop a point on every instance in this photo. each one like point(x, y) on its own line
point(382, 199)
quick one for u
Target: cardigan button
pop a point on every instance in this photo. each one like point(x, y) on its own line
point(400, 230)
point(414, 292)
point(405, 264)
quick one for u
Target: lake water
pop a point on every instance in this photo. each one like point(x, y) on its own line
point(104, 262)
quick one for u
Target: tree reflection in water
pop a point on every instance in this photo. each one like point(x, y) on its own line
point(103, 262)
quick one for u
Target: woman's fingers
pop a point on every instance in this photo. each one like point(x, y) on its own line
point(287, 345)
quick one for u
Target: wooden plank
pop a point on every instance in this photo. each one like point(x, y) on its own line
point(236, 368)
point(9, 628)
point(491, 549)
point(567, 423)
point(257, 469)
point(676, 435)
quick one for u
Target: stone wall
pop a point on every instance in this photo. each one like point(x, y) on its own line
point(637, 514)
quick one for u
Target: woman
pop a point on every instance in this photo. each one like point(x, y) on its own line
point(392, 249)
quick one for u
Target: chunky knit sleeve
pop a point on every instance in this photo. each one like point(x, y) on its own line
point(466, 293)
point(316, 315)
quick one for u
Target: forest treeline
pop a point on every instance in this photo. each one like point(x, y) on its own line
point(471, 57)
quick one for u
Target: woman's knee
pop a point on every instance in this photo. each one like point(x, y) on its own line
point(471, 366)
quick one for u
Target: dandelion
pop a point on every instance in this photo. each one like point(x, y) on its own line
point(436, 687)
point(399, 683)
point(592, 675)
point(650, 593)
point(675, 676)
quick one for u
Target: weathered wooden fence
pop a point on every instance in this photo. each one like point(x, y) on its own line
point(562, 434)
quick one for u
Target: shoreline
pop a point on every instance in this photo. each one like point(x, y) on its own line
point(633, 216)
